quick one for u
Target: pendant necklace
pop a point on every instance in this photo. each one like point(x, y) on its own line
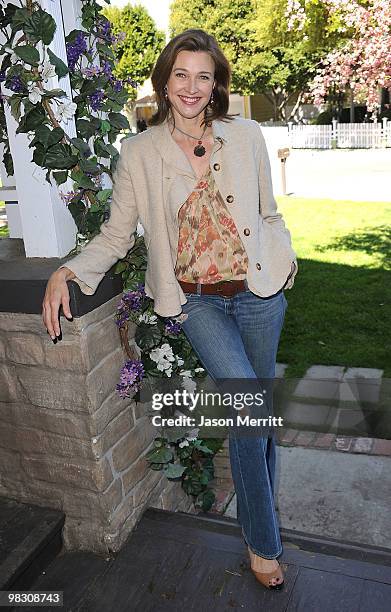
point(199, 149)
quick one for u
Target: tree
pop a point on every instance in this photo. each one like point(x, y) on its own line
point(267, 56)
point(139, 42)
point(362, 64)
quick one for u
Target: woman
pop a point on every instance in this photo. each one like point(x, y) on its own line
point(219, 254)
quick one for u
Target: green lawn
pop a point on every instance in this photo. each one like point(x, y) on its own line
point(339, 306)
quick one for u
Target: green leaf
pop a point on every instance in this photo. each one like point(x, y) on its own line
point(29, 54)
point(105, 126)
point(60, 157)
point(15, 102)
point(174, 470)
point(205, 500)
point(60, 177)
point(90, 165)
point(82, 180)
point(48, 137)
point(85, 128)
point(105, 51)
point(39, 155)
point(40, 26)
point(119, 121)
point(60, 66)
point(104, 194)
point(32, 119)
point(8, 163)
point(147, 336)
point(18, 18)
point(159, 455)
point(80, 145)
point(121, 265)
point(100, 148)
point(54, 93)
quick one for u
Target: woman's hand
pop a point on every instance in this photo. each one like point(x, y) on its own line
point(56, 295)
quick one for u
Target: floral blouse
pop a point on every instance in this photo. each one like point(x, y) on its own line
point(209, 246)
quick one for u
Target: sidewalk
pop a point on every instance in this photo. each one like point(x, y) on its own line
point(327, 483)
point(341, 174)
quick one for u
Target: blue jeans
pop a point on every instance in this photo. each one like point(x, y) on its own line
point(238, 338)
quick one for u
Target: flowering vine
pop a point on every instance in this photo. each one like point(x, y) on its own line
point(163, 352)
point(84, 164)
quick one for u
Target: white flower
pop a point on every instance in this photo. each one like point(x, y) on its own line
point(65, 111)
point(183, 443)
point(199, 370)
point(146, 318)
point(35, 94)
point(163, 356)
point(189, 384)
point(47, 70)
point(185, 373)
point(14, 58)
point(179, 360)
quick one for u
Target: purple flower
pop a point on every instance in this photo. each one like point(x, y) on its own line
point(172, 327)
point(76, 49)
point(15, 84)
point(107, 68)
point(104, 30)
point(131, 376)
point(131, 82)
point(96, 99)
point(117, 86)
point(131, 301)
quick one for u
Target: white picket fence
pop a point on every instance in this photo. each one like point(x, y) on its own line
point(340, 135)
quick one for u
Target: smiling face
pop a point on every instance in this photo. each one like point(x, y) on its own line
point(190, 84)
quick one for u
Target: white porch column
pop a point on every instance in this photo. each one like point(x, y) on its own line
point(47, 226)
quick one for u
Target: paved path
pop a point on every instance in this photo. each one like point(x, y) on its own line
point(333, 494)
point(344, 174)
point(329, 483)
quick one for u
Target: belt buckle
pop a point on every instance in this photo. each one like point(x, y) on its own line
point(219, 289)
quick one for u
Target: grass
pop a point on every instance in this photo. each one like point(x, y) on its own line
point(339, 306)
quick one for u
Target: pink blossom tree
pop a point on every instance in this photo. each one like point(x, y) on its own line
point(362, 63)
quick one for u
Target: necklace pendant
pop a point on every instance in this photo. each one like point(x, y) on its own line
point(199, 149)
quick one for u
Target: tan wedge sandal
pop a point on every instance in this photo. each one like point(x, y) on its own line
point(265, 578)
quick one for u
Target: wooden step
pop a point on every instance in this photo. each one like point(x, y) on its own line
point(30, 538)
point(176, 561)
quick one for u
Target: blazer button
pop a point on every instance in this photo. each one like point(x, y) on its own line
point(216, 166)
point(246, 231)
point(230, 199)
point(258, 265)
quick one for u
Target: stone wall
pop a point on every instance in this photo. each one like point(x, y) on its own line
point(67, 440)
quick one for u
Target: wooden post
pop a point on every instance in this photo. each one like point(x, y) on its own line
point(283, 154)
point(47, 226)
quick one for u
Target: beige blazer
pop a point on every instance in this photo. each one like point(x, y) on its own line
point(152, 180)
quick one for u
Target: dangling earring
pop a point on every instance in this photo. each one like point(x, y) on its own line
point(165, 92)
point(211, 101)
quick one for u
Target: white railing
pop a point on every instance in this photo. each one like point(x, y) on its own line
point(359, 135)
point(340, 135)
point(310, 136)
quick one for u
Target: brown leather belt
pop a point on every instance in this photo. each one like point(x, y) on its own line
point(223, 288)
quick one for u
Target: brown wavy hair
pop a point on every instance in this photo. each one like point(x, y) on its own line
point(192, 40)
